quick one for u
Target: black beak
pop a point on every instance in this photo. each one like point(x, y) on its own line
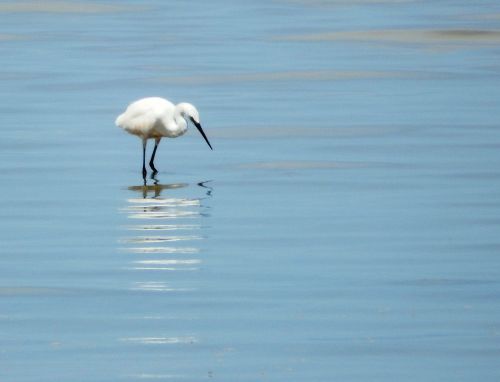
point(198, 126)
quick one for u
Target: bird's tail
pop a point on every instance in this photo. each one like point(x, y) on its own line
point(119, 120)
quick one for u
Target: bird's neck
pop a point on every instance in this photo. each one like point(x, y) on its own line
point(179, 120)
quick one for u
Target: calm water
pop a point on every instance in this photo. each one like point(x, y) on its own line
point(346, 226)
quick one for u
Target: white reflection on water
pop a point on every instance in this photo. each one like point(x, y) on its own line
point(161, 250)
point(173, 202)
point(158, 249)
point(164, 215)
point(155, 206)
point(163, 269)
point(156, 286)
point(168, 262)
point(161, 340)
point(160, 239)
point(163, 227)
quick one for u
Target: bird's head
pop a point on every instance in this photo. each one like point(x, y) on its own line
point(189, 113)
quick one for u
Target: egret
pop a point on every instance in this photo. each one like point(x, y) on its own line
point(155, 118)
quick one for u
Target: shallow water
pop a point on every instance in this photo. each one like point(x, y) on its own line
point(345, 227)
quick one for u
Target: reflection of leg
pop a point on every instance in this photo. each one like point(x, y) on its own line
point(203, 184)
point(144, 172)
point(151, 162)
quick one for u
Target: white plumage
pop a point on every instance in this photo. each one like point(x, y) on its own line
point(155, 118)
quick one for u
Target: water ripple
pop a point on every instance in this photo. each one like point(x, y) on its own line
point(64, 7)
point(186, 250)
point(159, 239)
point(161, 340)
point(410, 36)
point(169, 262)
point(157, 286)
point(163, 227)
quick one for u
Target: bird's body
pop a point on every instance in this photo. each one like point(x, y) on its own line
point(152, 117)
point(156, 118)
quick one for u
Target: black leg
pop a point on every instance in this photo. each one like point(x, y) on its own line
point(151, 162)
point(144, 172)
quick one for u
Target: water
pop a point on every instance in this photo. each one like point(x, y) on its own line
point(344, 228)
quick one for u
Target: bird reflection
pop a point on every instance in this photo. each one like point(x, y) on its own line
point(166, 232)
point(156, 188)
point(162, 242)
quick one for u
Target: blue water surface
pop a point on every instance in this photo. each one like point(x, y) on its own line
point(345, 227)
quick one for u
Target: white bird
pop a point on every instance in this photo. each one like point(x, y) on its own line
point(156, 117)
